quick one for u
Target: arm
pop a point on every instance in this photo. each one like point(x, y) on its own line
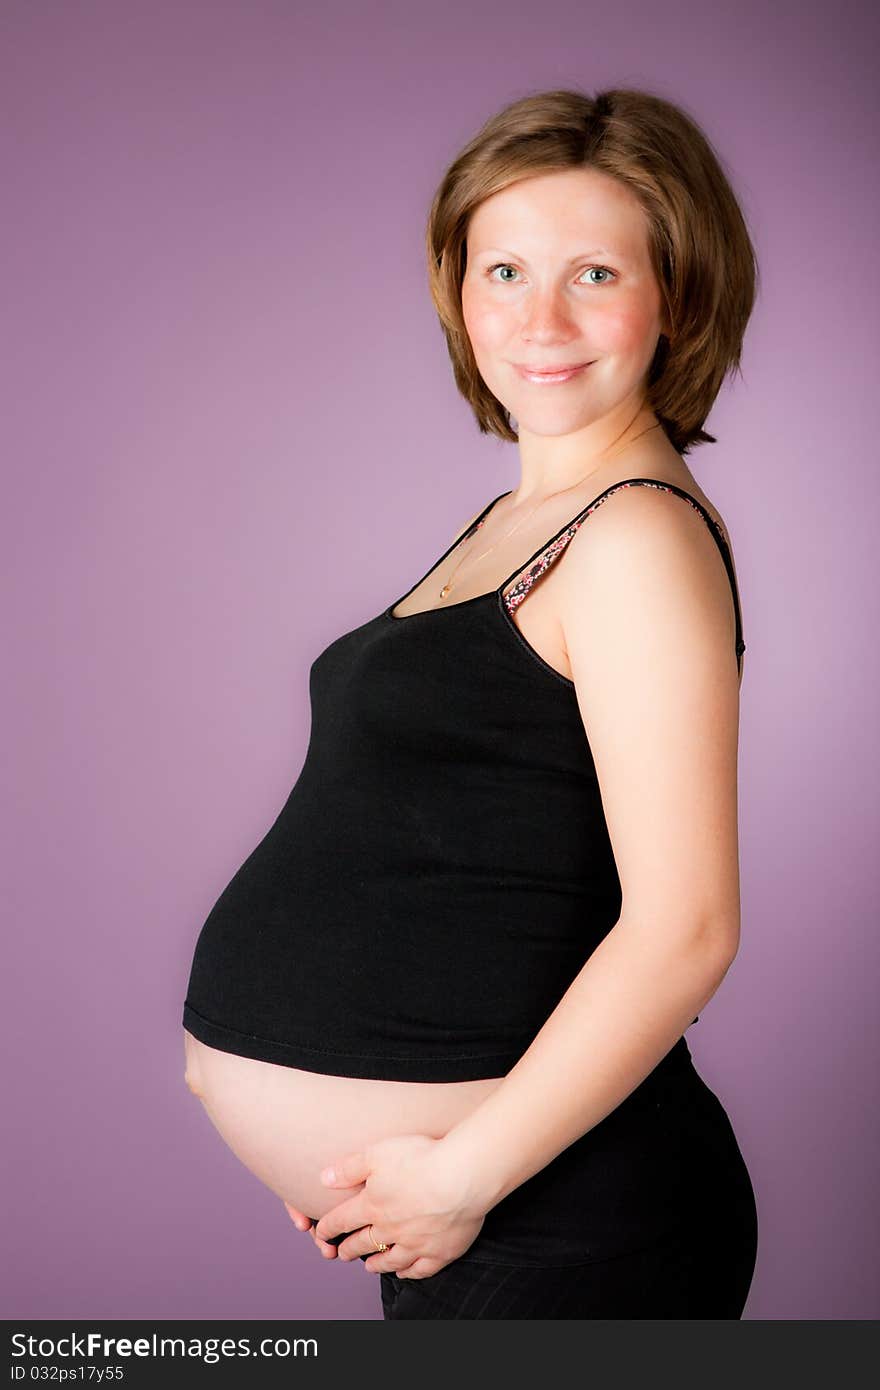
point(648, 624)
point(630, 1003)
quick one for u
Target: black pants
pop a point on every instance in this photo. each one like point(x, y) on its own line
point(687, 1275)
point(651, 1214)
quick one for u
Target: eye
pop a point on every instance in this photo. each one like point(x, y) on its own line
point(503, 265)
point(604, 270)
point(500, 266)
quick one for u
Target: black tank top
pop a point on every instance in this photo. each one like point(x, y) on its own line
point(442, 868)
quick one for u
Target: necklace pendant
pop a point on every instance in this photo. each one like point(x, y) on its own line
point(444, 591)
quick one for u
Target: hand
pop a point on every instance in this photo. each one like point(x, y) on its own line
point(417, 1203)
point(305, 1223)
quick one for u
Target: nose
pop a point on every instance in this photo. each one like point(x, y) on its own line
point(548, 320)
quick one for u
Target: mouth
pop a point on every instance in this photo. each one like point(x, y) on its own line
point(552, 376)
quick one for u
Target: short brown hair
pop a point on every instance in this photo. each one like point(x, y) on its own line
point(700, 247)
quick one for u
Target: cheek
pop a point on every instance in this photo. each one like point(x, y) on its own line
point(487, 325)
point(622, 330)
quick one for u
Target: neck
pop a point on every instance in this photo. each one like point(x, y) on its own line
point(551, 464)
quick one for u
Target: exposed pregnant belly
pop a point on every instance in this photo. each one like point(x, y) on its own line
point(285, 1124)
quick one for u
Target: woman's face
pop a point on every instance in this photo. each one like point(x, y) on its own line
point(558, 274)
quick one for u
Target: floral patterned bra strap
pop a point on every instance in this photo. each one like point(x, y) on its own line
point(539, 564)
point(514, 597)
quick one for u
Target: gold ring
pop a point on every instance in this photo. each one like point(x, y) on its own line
point(381, 1248)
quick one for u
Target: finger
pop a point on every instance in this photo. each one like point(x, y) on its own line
point(324, 1246)
point(305, 1223)
point(299, 1218)
point(348, 1217)
point(390, 1261)
point(421, 1269)
point(362, 1243)
point(347, 1171)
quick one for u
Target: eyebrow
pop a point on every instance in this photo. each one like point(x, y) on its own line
point(596, 251)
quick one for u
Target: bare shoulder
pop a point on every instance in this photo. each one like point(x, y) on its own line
point(637, 511)
point(649, 628)
point(648, 550)
point(640, 501)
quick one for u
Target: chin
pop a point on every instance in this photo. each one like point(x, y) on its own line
point(552, 424)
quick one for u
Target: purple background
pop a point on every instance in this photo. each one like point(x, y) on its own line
point(232, 434)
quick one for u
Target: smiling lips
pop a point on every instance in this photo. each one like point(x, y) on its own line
point(552, 377)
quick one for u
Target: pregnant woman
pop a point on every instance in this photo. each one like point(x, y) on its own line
point(459, 966)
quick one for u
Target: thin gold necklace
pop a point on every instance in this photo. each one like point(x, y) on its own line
point(447, 587)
